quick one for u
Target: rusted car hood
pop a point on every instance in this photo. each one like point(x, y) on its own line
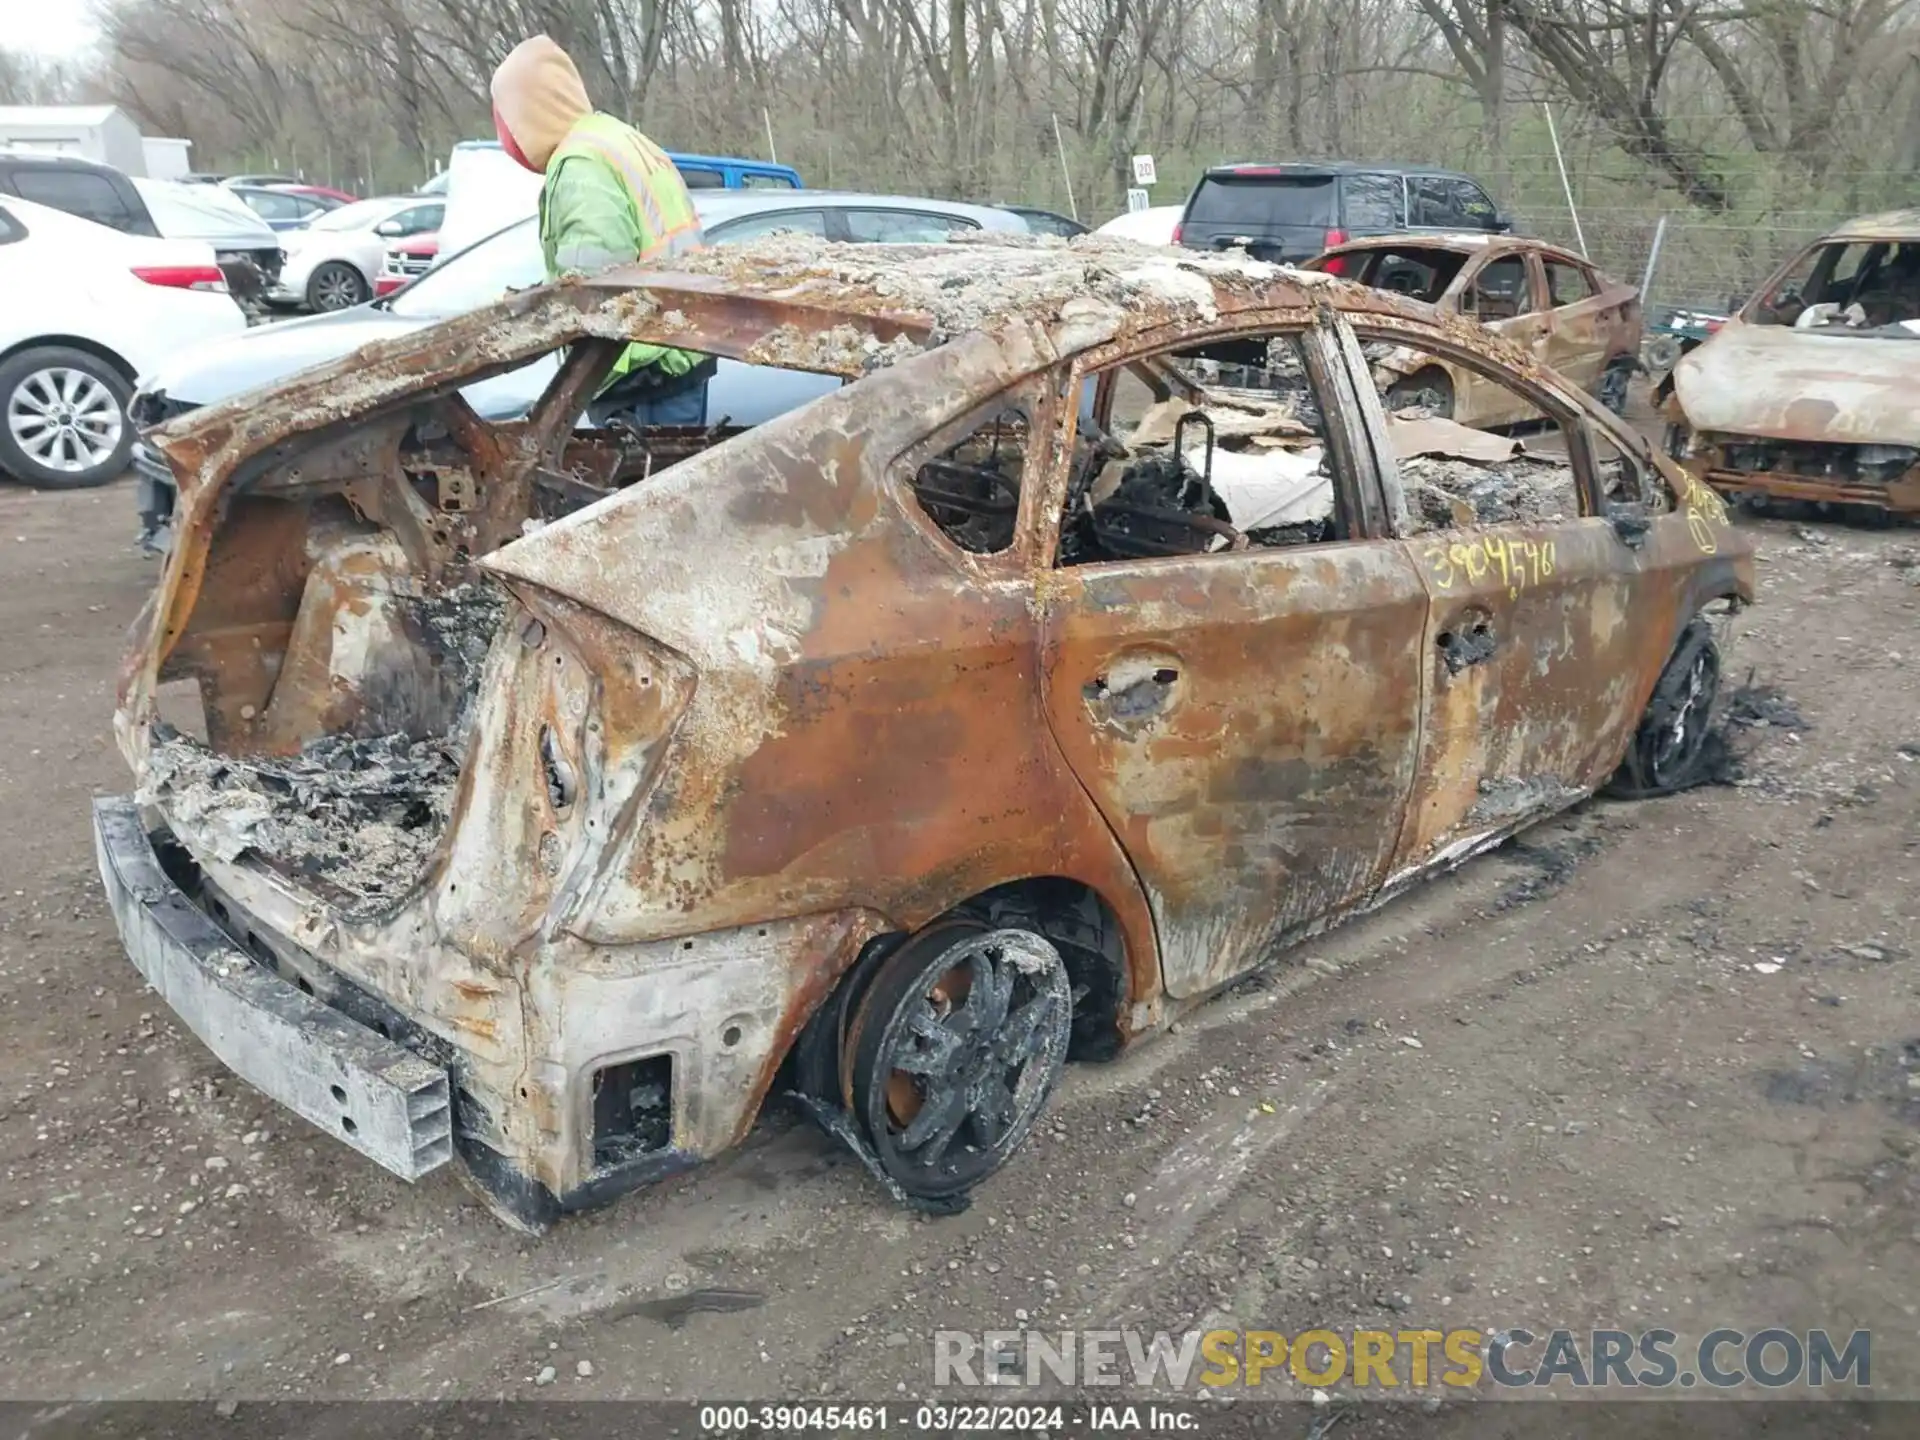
point(1790, 384)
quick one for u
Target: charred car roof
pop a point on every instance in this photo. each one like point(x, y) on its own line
point(790, 301)
point(1887, 225)
point(1463, 242)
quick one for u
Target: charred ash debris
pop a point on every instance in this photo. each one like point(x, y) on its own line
point(1444, 491)
point(459, 624)
point(359, 814)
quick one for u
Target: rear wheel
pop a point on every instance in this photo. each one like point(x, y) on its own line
point(1674, 743)
point(953, 1050)
point(337, 285)
point(63, 418)
point(1661, 353)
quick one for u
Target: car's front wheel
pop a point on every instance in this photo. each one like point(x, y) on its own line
point(337, 285)
point(63, 418)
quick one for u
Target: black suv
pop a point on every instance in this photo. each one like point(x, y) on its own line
point(105, 196)
point(1294, 211)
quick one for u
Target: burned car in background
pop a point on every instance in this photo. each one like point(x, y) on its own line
point(1812, 391)
point(1549, 301)
point(516, 793)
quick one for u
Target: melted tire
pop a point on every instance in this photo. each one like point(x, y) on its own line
point(953, 1051)
point(1675, 743)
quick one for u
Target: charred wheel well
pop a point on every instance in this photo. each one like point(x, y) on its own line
point(72, 342)
point(1073, 917)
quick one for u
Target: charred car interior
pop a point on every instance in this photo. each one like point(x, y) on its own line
point(547, 797)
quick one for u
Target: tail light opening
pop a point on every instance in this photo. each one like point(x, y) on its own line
point(1179, 229)
point(184, 277)
point(1337, 265)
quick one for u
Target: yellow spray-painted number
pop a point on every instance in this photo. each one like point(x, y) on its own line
point(1518, 563)
point(1705, 509)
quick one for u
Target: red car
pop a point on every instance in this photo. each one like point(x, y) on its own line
point(319, 192)
point(406, 261)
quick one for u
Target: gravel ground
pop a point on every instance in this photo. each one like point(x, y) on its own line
point(1652, 1064)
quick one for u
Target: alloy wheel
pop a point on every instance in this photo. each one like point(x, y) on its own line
point(1683, 728)
point(65, 419)
point(337, 287)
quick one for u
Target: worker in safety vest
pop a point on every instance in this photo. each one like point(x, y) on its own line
point(610, 197)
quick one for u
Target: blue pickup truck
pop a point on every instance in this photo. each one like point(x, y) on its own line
point(701, 172)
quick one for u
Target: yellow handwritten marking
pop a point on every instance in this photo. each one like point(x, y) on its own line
point(1520, 563)
point(1496, 548)
point(1704, 509)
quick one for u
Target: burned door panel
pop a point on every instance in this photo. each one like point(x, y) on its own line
point(1500, 293)
point(1595, 320)
point(1531, 631)
point(1247, 725)
point(1529, 694)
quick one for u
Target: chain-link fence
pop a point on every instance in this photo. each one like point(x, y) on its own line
point(1708, 266)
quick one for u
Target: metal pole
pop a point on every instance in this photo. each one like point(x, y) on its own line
point(1553, 134)
point(766, 117)
point(1065, 173)
point(1653, 259)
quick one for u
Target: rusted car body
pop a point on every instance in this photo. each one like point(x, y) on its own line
point(1812, 391)
point(1550, 302)
point(692, 758)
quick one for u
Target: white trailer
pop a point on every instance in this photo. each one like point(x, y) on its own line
point(104, 133)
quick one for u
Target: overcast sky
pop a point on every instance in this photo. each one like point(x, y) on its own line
point(54, 28)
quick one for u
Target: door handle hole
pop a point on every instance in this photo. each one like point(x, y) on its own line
point(1165, 676)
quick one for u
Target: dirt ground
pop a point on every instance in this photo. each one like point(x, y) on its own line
point(1664, 1074)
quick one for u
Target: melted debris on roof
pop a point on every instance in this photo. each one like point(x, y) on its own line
point(966, 284)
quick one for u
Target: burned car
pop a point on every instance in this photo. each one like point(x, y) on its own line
point(546, 800)
point(1808, 392)
point(1549, 301)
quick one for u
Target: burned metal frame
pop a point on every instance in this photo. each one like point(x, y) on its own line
point(800, 716)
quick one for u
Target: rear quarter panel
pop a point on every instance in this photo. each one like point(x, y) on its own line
point(866, 728)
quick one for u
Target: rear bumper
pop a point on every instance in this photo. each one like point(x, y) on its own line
point(382, 1100)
